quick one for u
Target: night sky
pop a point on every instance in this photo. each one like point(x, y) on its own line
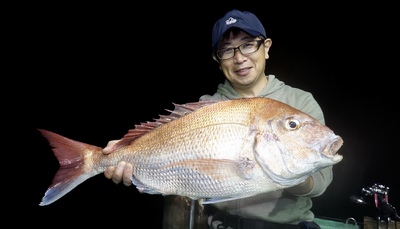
point(94, 71)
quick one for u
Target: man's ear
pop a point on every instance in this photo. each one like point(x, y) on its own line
point(267, 46)
point(215, 58)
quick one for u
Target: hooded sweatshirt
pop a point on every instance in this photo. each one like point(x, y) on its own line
point(279, 206)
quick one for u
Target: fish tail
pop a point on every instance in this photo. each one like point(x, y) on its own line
point(76, 165)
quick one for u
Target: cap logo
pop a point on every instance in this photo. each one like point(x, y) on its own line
point(230, 20)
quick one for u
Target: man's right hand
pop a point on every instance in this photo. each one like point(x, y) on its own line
point(122, 172)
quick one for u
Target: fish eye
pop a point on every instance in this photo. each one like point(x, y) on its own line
point(292, 124)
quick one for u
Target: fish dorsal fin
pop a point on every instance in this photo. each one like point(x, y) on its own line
point(179, 111)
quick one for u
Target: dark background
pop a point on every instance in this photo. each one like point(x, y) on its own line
point(90, 72)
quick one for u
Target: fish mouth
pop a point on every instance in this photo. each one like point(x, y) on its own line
point(331, 150)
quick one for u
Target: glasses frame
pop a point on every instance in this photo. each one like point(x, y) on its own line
point(259, 42)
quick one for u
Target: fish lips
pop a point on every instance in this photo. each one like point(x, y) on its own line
point(331, 150)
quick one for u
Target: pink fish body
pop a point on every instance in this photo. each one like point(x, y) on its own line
point(213, 151)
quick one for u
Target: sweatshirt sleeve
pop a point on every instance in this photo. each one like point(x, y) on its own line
point(322, 179)
point(311, 107)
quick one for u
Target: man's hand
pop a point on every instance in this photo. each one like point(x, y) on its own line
point(122, 172)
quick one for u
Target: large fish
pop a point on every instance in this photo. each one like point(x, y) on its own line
point(211, 151)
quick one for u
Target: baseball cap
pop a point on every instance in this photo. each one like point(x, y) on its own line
point(235, 18)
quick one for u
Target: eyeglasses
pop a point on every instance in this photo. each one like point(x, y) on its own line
point(246, 48)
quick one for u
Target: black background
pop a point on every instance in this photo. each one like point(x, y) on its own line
point(92, 71)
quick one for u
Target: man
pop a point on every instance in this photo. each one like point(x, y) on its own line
point(240, 47)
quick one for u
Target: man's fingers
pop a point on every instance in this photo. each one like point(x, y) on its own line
point(128, 171)
point(122, 172)
point(109, 172)
point(118, 172)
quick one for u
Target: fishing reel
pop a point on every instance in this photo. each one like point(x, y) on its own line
point(378, 194)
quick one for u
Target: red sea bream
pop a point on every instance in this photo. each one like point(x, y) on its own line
point(211, 151)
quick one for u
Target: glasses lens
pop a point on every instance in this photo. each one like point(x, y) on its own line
point(224, 54)
point(249, 47)
point(246, 48)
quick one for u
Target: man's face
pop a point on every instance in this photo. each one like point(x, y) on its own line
point(243, 70)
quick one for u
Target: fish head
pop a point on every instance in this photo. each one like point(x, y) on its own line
point(292, 145)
